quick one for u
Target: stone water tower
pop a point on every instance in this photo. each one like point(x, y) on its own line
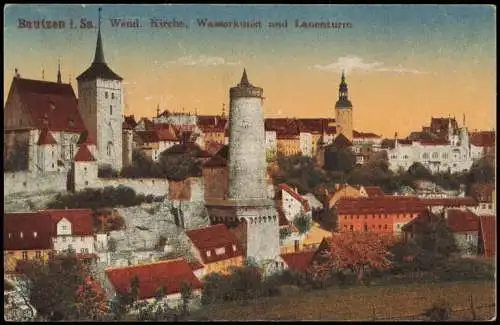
point(247, 209)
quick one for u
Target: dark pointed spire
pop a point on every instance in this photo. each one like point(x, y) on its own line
point(58, 71)
point(99, 52)
point(244, 79)
point(343, 101)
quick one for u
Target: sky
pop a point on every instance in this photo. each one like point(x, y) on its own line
point(404, 63)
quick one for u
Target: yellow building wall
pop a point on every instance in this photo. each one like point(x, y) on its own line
point(13, 256)
point(288, 147)
point(345, 191)
point(308, 242)
point(224, 266)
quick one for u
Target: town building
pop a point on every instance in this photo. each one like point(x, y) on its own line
point(488, 236)
point(387, 214)
point(484, 194)
point(217, 248)
point(215, 176)
point(465, 228)
point(154, 142)
point(293, 204)
point(342, 190)
point(371, 191)
point(444, 148)
point(482, 143)
point(168, 276)
point(364, 145)
point(38, 235)
point(439, 205)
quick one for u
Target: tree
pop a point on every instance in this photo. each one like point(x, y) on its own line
point(16, 159)
point(186, 295)
point(179, 166)
point(360, 252)
point(419, 171)
point(91, 301)
point(285, 232)
point(58, 289)
point(339, 159)
point(482, 171)
point(302, 222)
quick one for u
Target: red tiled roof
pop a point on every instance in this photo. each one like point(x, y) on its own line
point(82, 220)
point(152, 277)
point(148, 124)
point(450, 202)
point(483, 139)
point(157, 135)
point(483, 192)
point(488, 231)
point(50, 104)
point(295, 195)
point(196, 265)
point(374, 191)
point(341, 142)
point(46, 138)
point(215, 161)
point(212, 237)
point(84, 154)
point(85, 138)
point(27, 223)
point(213, 123)
point(299, 261)
point(424, 218)
point(462, 221)
point(385, 204)
point(364, 135)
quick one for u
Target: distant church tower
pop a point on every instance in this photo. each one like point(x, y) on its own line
point(343, 110)
point(247, 210)
point(100, 100)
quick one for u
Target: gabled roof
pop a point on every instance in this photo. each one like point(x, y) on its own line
point(214, 123)
point(182, 148)
point(488, 231)
point(295, 195)
point(82, 220)
point(482, 192)
point(299, 261)
point(50, 105)
point(46, 138)
point(129, 122)
point(157, 135)
point(84, 154)
point(27, 223)
point(462, 221)
point(440, 124)
point(208, 239)
point(152, 277)
point(213, 147)
point(421, 220)
point(341, 141)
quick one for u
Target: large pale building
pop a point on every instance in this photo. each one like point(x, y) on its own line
point(100, 100)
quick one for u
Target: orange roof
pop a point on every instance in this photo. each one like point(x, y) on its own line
point(196, 265)
point(46, 138)
point(385, 204)
point(208, 239)
point(462, 221)
point(84, 154)
point(299, 261)
point(483, 138)
point(152, 277)
point(373, 191)
point(488, 230)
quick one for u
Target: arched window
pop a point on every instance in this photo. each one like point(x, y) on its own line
point(109, 148)
point(110, 109)
point(425, 155)
point(435, 155)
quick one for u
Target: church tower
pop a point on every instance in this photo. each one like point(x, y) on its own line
point(100, 100)
point(343, 110)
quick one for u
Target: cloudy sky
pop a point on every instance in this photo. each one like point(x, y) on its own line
point(403, 64)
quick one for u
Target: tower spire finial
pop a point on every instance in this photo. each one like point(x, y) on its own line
point(58, 70)
point(244, 78)
point(99, 53)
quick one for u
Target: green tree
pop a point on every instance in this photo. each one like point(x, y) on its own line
point(302, 222)
point(339, 159)
point(179, 166)
point(186, 295)
point(419, 171)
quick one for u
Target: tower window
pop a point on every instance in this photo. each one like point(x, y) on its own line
point(106, 95)
point(112, 95)
point(110, 109)
point(109, 148)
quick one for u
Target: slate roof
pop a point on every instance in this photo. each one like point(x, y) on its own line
point(82, 220)
point(152, 277)
point(49, 105)
point(208, 239)
point(157, 135)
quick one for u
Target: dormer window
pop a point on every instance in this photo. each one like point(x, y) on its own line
point(208, 253)
point(21, 234)
point(234, 248)
point(52, 106)
point(220, 251)
point(35, 234)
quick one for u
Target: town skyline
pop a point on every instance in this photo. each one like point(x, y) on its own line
point(398, 77)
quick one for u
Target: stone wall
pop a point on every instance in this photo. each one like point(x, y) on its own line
point(191, 189)
point(27, 182)
point(146, 186)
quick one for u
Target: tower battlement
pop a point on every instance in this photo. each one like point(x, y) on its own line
point(245, 89)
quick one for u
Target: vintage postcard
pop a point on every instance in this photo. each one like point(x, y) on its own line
point(176, 162)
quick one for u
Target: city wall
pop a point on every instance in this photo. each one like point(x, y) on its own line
point(28, 182)
point(146, 186)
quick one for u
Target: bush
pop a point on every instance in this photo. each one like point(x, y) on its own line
point(466, 269)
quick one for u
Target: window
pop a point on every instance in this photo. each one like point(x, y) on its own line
point(398, 226)
point(109, 148)
point(112, 95)
point(425, 155)
point(110, 109)
point(435, 155)
point(106, 95)
point(208, 254)
point(220, 251)
point(385, 226)
point(21, 234)
point(71, 151)
point(64, 227)
point(357, 216)
point(10, 235)
point(64, 239)
point(351, 227)
point(379, 226)
point(445, 155)
point(38, 254)
point(234, 247)
point(82, 239)
point(34, 234)
point(25, 255)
